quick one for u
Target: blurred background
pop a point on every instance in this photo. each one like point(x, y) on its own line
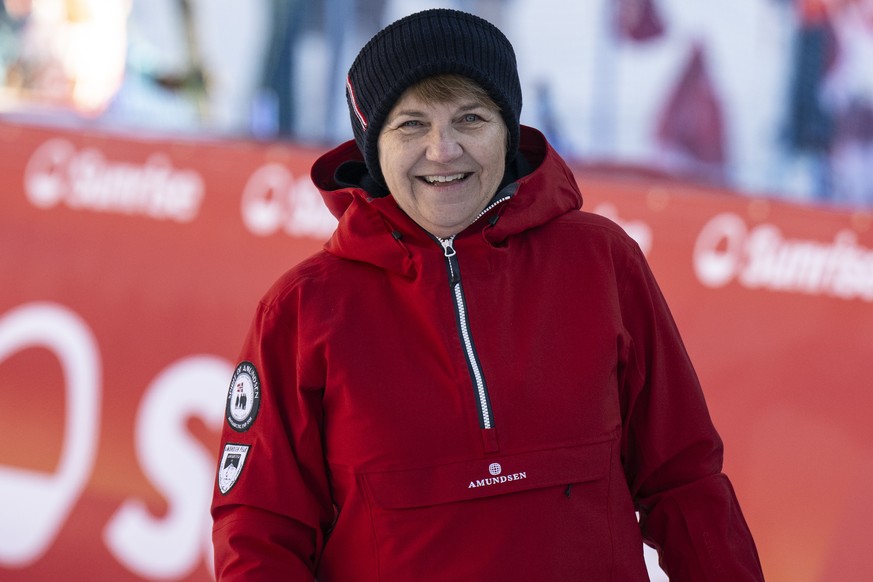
point(154, 157)
point(767, 96)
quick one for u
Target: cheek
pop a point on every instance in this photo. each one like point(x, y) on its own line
point(384, 157)
point(392, 161)
point(498, 157)
point(497, 162)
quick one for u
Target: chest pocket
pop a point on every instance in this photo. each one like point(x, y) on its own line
point(492, 518)
point(488, 477)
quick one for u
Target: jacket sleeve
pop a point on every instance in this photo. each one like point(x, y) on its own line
point(268, 522)
point(671, 451)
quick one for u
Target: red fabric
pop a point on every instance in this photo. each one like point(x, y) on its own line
point(368, 415)
point(246, 531)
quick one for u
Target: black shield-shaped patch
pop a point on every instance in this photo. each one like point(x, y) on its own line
point(243, 397)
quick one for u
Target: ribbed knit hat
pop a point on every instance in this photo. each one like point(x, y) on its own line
point(432, 42)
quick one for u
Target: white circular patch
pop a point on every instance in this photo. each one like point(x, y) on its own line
point(243, 397)
point(495, 468)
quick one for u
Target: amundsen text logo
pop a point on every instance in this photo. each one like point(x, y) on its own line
point(495, 469)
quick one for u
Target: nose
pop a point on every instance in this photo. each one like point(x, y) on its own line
point(443, 145)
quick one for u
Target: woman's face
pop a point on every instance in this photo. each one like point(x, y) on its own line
point(442, 161)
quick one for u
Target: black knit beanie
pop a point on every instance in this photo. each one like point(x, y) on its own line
point(432, 42)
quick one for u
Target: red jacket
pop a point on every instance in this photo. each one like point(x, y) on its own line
point(499, 414)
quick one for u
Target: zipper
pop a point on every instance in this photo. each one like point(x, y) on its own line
point(496, 202)
point(486, 419)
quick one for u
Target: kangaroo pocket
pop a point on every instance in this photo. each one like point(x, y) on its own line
point(535, 515)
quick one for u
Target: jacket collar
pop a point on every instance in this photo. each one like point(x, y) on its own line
point(373, 229)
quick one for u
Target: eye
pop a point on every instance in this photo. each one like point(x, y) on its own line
point(471, 117)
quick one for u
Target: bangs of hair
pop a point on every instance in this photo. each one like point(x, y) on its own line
point(443, 88)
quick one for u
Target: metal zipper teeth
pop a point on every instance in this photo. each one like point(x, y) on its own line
point(478, 378)
point(492, 205)
point(486, 420)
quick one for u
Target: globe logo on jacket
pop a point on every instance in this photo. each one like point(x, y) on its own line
point(496, 469)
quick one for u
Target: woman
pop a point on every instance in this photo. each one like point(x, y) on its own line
point(473, 380)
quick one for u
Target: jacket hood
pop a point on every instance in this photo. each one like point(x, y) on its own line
point(375, 230)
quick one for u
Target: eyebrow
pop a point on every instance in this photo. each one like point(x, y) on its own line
point(470, 106)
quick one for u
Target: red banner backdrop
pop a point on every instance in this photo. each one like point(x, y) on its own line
point(130, 269)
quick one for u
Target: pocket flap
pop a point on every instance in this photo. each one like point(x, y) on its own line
point(489, 476)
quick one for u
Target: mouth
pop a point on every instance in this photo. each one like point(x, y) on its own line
point(444, 179)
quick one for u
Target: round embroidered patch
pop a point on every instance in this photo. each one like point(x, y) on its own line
point(243, 397)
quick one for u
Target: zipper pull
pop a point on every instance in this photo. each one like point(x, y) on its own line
point(448, 247)
point(449, 253)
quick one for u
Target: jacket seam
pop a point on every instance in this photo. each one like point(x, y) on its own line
point(609, 516)
point(369, 497)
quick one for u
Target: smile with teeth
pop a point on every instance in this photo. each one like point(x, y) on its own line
point(443, 179)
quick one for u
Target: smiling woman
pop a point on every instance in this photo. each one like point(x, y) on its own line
point(443, 153)
point(472, 380)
